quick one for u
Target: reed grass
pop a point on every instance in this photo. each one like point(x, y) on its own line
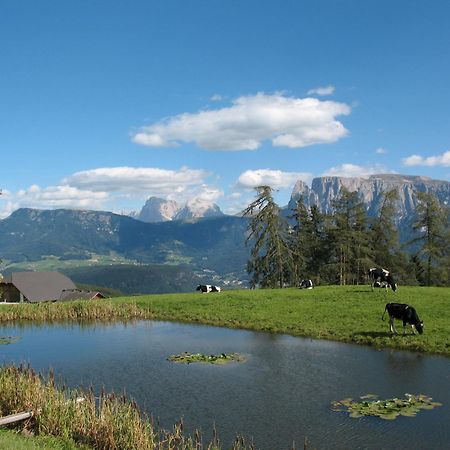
point(109, 422)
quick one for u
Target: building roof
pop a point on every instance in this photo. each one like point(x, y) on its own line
point(78, 294)
point(40, 286)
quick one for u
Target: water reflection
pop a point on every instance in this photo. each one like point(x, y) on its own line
point(282, 393)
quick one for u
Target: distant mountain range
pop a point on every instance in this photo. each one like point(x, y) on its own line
point(213, 248)
point(324, 190)
point(161, 210)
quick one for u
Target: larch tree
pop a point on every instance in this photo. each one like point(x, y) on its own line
point(384, 234)
point(431, 227)
point(271, 262)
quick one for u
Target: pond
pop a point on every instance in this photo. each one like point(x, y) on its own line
point(280, 394)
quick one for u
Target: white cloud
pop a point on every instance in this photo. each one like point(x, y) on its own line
point(216, 98)
point(276, 179)
point(63, 196)
point(353, 170)
point(285, 121)
point(380, 151)
point(439, 160)
point(105, 188)
point(149, 180)
point(204, 194)
point(324, 90)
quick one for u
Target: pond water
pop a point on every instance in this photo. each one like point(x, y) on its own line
point(281, 394)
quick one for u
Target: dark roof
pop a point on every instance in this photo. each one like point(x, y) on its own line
point(77, 294)
point(40, 286)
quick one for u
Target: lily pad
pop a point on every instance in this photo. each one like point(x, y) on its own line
point(188, 358)
point(9, 340)
point(388, 409)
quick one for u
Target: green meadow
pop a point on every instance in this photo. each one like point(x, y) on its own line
point(341, 313)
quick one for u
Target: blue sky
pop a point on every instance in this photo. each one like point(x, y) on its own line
point(105, 103)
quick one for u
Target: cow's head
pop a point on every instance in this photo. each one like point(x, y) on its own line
point(198, 288)
point(419, 327)
point(394, 286)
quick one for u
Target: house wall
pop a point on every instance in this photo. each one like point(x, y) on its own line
point(10, 293)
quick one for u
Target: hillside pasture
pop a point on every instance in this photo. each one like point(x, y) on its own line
point(342, 313)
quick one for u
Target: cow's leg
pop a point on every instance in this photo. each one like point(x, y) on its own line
point(391, 325)
point(414, 329)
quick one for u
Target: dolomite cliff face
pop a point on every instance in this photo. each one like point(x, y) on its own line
point(325, 189)
point(162, 210)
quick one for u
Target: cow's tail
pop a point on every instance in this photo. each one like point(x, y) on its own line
point(384, 312)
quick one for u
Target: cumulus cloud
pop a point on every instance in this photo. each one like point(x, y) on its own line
point(200, 194)
point(50, 197)
point(105, 188)
point(250, 120)
point(431, 161)
point(324, 90)
point(380, 151)
point(150, 180)
point(353, 170)
point(276, 179)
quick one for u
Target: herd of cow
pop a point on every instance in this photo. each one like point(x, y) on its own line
point(380, 278)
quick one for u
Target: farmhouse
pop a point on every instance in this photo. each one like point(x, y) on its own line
point(37, 287)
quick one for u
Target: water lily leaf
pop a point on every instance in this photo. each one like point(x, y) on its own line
point(408, 413)
point(356, 414)
point(385, 409)
point(368, 396)
point(188, 358)
point(390, 416)
point(9, 340)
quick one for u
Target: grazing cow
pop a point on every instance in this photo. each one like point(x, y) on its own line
point(205, 288)
point(383, 277)
point(406, 313)
point(380, 284)
point(306, 284)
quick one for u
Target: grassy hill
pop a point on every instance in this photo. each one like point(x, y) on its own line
point(342, 313)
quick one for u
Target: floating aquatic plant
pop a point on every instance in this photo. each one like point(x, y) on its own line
point(189, 358)
point(389, 409)
point(8, 340)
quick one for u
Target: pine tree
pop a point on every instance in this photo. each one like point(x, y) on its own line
point(271, 261)
point(349, 238)
point(384, 234)
point(300, 241)
point(431, 226)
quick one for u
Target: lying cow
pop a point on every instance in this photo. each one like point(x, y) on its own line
point(383, 277)
point(205, 288)
point(406, 313)
point(306, 284)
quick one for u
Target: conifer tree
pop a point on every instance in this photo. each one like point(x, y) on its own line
point(271, 260)
point(300, 241)
point(431, 226)
point(349, 238)
point(384, 234)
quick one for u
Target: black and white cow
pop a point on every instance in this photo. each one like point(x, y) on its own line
point(405, 313)
point(205, 288)
point(306, 284)
point(383, 277)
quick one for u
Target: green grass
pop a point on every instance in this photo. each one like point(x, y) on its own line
point(11, 440)
point(75, 417)
point(341, 313)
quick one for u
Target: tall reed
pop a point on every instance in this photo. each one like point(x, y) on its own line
point(108, 422)
point(78, 310)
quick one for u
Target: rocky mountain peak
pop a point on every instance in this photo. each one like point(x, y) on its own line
point(162, 210)
point(370, 189)
point(158, 210)
point(197, 208)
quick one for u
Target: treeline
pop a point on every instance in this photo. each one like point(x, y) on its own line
point(340, 247)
